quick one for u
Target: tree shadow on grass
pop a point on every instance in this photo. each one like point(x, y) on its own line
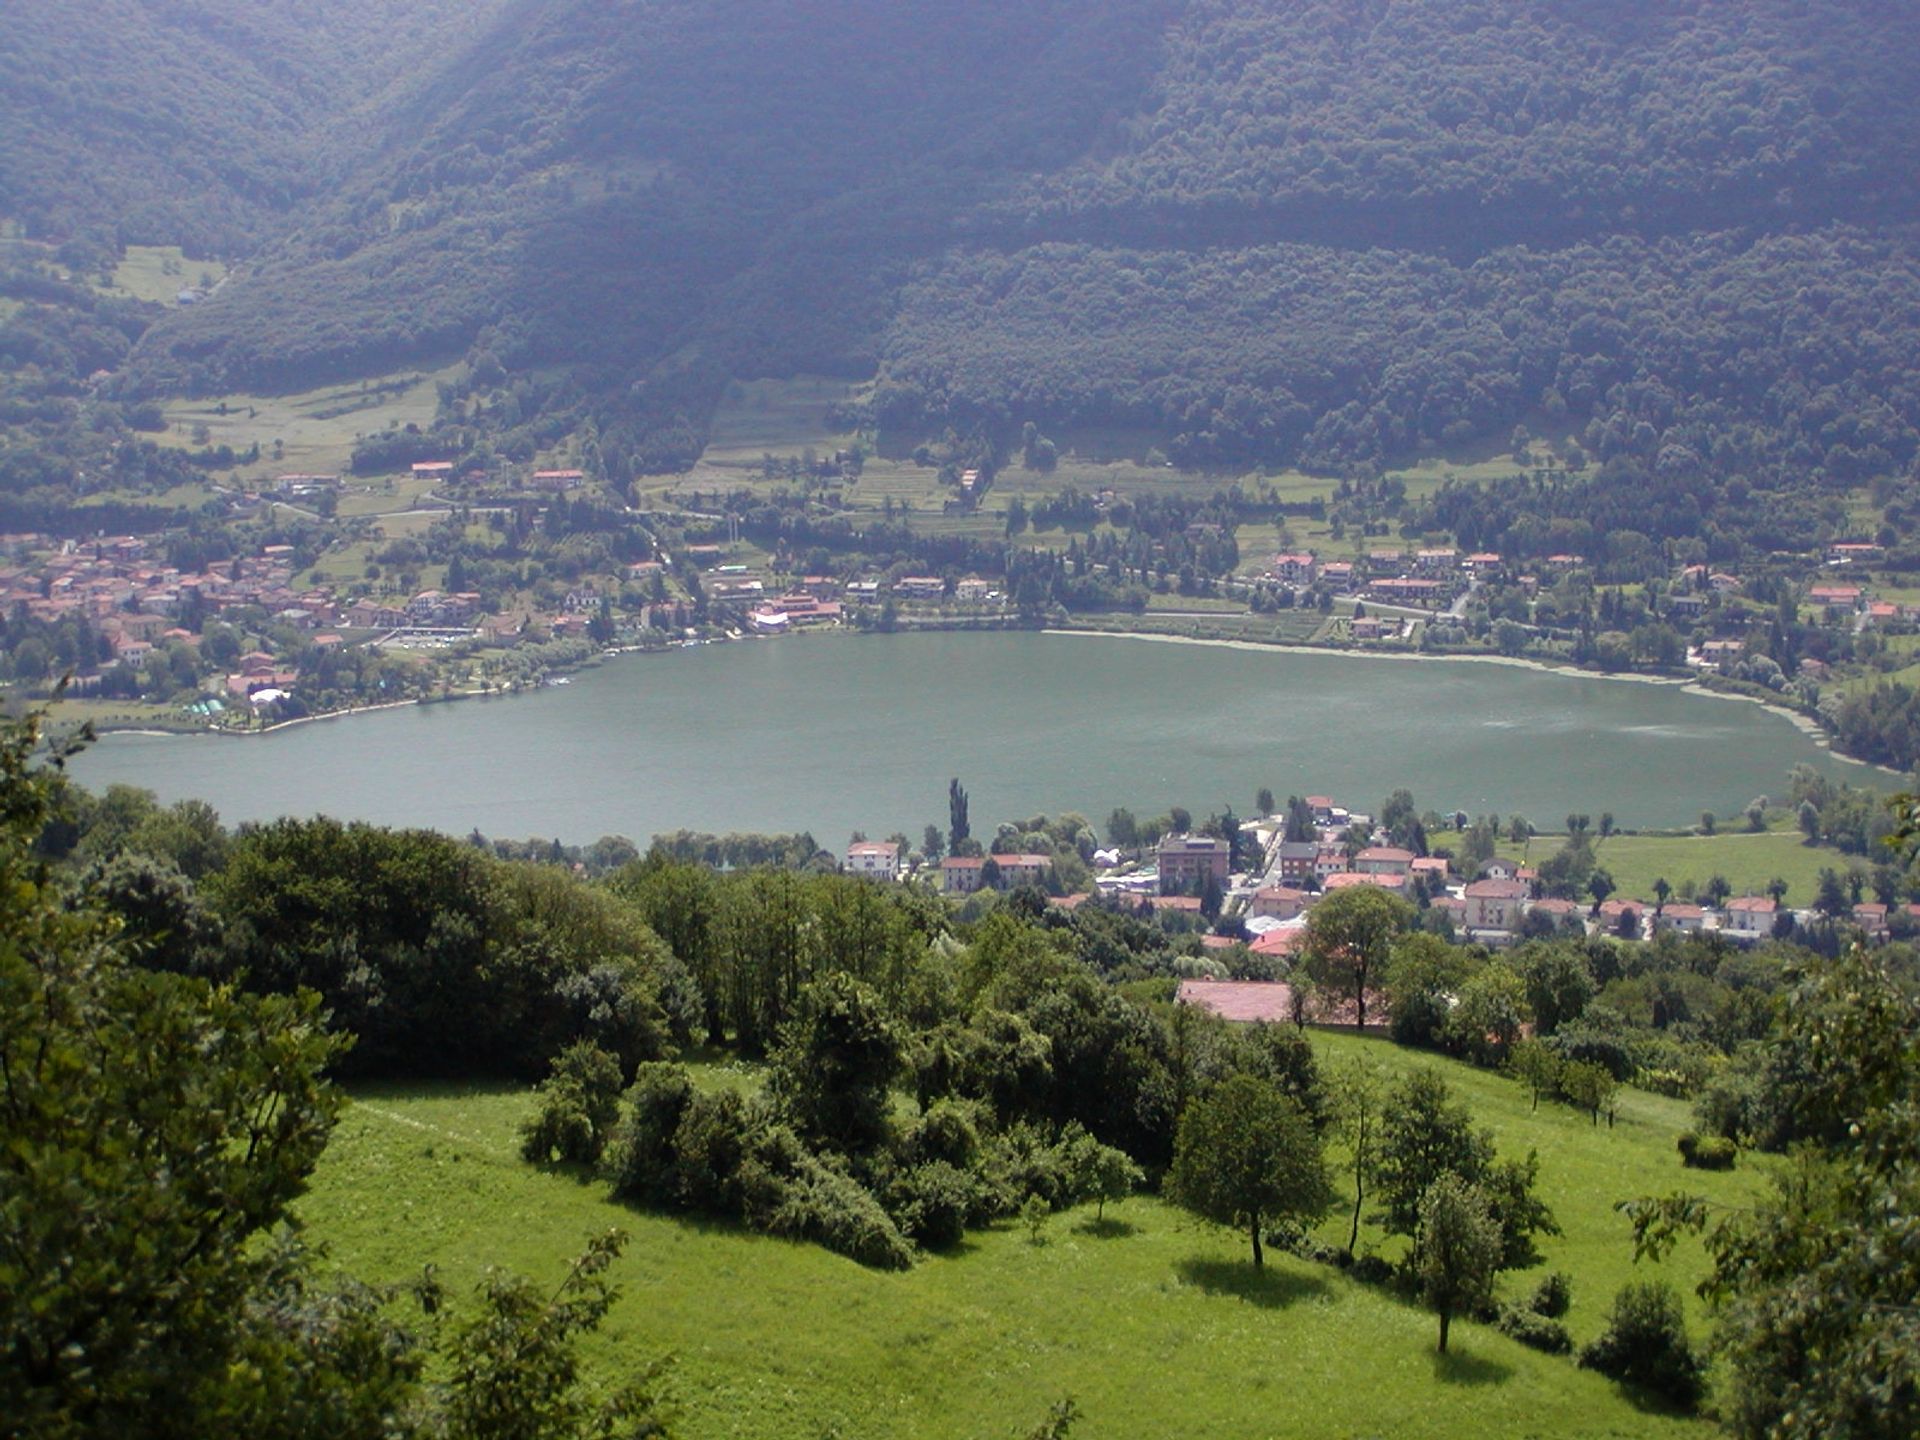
point(1109, 1228)
point(1458, 1368)
point(1268, 1288)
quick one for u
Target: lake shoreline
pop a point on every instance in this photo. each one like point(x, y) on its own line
point(1802, 722)
point(844, 737)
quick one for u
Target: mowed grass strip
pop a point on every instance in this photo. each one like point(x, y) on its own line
point(1155, 1324)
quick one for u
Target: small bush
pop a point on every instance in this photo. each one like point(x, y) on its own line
point(579, 1108)
point(1715, 1152)
point(931, 1203)
point(1372, 1270)
point(1645, 1344)
point(1535, 1331)
point(1553, 1297)
point(640, 1162)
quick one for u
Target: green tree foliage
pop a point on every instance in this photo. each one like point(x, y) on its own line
point(154, 1128)
point(1645, 1344)
point(1812, 1288)
point(1457, 1249)
point(514, 1371)
point(1247, 1157)
point(577, 1107)
point(1487, 1017)
point(438, 959)
point(1350, 936)
point(834, 1063)
point(1425, 1134)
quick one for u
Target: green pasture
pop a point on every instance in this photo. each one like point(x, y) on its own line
point(1748, 861)
point(316, 428)
point(161, 272)
point(1153, 1323)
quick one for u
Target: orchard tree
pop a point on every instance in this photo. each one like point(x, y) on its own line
point(1456, 1249)
point(1350, 937)
point(1358, 1090)
point(1246, 1156)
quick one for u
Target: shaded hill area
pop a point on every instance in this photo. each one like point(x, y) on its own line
point(1321, 233)
point(201, 123)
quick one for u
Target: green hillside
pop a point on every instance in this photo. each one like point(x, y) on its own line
point(201, 124)
point(1676, 241)
point(1154, 1325)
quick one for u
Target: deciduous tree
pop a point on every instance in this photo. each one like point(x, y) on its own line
point(1246, 1156)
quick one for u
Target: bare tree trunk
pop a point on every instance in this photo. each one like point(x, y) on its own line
point(1259, 1258)
point(1446, 1318)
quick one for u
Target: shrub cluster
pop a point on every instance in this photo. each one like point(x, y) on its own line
point(1713, 1152)
point(1534, 1330)
point(1645, 1344)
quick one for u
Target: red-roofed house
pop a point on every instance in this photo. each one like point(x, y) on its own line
point(878, 858)
point(1243, 1000)
point(1277, 902)
point(1495, 905)
point(1384, 860)
point(1750, 917)
point(1680, 917)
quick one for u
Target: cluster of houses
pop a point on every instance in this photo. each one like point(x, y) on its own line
point(1494, 907)
point(821, 599)
point(1423, 579)
point(138, 602)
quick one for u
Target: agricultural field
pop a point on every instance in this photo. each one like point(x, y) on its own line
point(1153, 1323)
point(1748, 861)
point(787, 418)
point(161, 272)
point(311, 432)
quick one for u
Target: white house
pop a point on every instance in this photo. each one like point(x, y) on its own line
point(877, 858)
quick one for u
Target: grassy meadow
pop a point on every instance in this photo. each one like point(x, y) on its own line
point(785, 418)
point(314, 428)
point(161, 272)
point(1748, 861)
point(1155, 1325)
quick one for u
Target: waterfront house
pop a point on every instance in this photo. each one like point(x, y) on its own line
point(1187, 861)
point(1558, 911)
point(1384, 860)
point(1294, 860)
point(1291, 569)
point(1347, 879)
point(879, 859)
point(961, 874)
point(1680, 918)
point(1622, 917)
point(1872, 918)
point(1277, 902)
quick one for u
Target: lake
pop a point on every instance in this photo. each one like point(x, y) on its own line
point(834, 733)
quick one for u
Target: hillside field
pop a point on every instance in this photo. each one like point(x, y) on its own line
point(1154, 1324)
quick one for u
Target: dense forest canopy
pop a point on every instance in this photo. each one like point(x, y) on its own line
point(1672, 236)
point(1275, 233)
point(201, 123)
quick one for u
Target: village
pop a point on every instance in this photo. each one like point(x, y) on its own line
point(1259, 893)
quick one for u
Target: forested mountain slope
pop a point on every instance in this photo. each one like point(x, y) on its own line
point(200, 123)
point(1308, 231)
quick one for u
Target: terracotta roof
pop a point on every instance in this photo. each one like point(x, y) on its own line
point(1268, 1000)
point(1497, 890)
